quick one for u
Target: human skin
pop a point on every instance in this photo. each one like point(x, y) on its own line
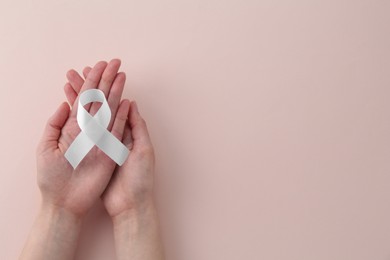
point(129, 195)
point(67, 193)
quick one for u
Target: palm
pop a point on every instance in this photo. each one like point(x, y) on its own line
point(77, 189)
point(131, 181)
point(81, 186)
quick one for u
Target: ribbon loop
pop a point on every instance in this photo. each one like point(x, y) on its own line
point(94, 131)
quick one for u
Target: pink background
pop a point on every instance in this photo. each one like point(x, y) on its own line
point(271, 119)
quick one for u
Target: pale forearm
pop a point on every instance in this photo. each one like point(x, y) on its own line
point(54, 235)
point(137, 235)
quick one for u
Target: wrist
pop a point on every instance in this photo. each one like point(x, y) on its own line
point(145, 210)
point(128, 204)
point(54, 214)
point(137, 233)
point(54, 234)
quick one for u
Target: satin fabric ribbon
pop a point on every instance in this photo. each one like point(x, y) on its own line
point(94, 131)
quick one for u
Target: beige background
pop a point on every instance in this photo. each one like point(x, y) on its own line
point(271, 119)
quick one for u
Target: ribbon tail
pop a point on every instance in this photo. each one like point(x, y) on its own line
point(111, 146)
point(78, 149)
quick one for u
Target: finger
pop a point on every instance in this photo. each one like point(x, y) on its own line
point(75, 80)
point(115, 95)
point(53, 127)
point(106, 81)
point(139, 131)
point(86, 71)
point(127, 140)
point(120, 119)
point(70, 93)
point(93, 79)
point(91, 82)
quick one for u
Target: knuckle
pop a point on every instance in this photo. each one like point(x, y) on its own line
point(105, 80)
point(116, 132)
point(51, 124)
point(121, 117)
point(92, 79)
point(146, 151)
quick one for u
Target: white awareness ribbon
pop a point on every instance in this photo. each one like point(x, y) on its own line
point(94, 131)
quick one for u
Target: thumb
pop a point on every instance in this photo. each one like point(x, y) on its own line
point(53, 127)
point(139, 131)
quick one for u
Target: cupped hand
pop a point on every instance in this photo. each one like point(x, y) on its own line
point(76, 190)
point(131, 185)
